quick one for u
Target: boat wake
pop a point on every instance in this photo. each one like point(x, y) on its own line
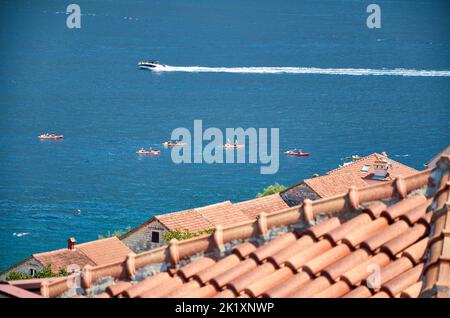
point(303, 70)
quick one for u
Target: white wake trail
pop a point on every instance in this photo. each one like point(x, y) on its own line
point(303, 70)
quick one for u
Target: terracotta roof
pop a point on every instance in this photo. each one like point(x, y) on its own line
point(203, 218)
point(91, 253)
point(337, 248)
point(438, 264)
point(11, 291)
point(397, 169)
point(329, 260)
point(445, 152)
point(268, 204)
point(224, 213)
point(184, 220)
point(333, 184)
point(62, 258)
point(105, 251)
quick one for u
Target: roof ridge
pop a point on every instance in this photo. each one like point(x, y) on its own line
point(332, 175)
point(354, 162)
point(76, 246)
point(212, 205)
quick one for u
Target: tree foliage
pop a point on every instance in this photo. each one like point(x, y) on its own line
point(118, 233)
point(272, 189)
point(41, 273)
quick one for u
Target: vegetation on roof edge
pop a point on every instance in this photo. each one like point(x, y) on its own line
point(272, 189)
point(45, 272)
point(119, 233)
point(184, 234)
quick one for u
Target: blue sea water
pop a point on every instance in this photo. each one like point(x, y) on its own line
point(84, 83)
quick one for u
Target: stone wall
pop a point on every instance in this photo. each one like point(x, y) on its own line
point(23, 267)
point(140, 239)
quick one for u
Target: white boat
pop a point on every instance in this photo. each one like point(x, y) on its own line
point(150, 65)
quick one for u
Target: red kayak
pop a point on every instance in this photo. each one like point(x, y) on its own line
point(296, 153)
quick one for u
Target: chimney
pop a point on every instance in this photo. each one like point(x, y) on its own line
point(384, 154)
point(71, 243)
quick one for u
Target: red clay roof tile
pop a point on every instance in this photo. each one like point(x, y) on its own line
point(333, 184)
point(289, 286)
point(295, 248)
point(146, 284)
point(385, 235)
point(396, 170)
point(364, 232)
point(323, 227)
point(240, 269)
point(196, 266)
point(313, 287)
point(326, 259)
point(185, 289)
point(339, 233)
point(415, 214)
point(413, 291)
point(359, 292)
point(416, 252)
point(240, 283)
point(109, 250)
point(97, 252)
point(356, 275)
point(394, 269)
point(375, 209)
point(404, 206)
point(169, 285)
point(220, 267)
point(403, 281)
point(336, 290)
point(224, 214)
point(274, 246)
point(297, 261)
point(268, 204)
point(184, 220)
point(381, 294)
point(117, 288)
point(227, 293)
point(405, 239)
point(244, 249)
point(345, 264)
point(260, 286)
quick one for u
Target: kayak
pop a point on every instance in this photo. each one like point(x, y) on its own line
point(148, 152)
point(46, 136)
point(296, 153)
point(232, 146)
point(174, 144)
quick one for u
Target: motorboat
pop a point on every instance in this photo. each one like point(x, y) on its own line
point(150, 65)
point(298, 153)
point(50, 136)
point(142, 151)
point(174, 143)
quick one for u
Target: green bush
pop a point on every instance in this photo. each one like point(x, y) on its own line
point(184, 234)
point(42, 273)
point(118, 233)
point(272, 189)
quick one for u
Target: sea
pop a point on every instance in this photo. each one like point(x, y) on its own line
point(313, 69)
